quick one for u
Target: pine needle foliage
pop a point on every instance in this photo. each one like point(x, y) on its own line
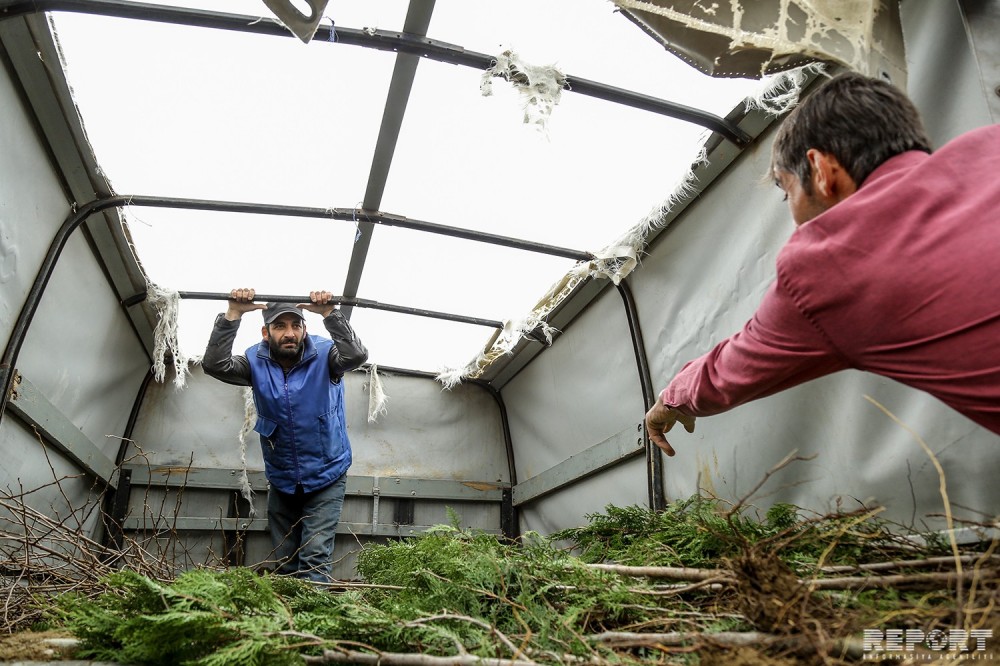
point(702, 532)
point(532, 589)
point(689, 533)
point(204, 617)
point(457, 591)
point(451, 592)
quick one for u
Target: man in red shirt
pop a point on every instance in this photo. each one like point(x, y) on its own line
point(893, 268)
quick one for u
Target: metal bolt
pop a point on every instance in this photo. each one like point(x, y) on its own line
point(996, 91)
point(413, 493)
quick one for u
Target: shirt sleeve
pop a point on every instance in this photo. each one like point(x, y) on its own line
point(777, 349)
point(347, 352)
point(219, 361)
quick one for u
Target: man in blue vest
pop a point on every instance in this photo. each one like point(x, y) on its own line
point(298, 389)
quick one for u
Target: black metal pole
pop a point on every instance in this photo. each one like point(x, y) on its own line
point(717, 124)
point(354, 215)
point(115, 504)
point(654, 461)
point(356, 302)
point(510, 524)
point(383, 40)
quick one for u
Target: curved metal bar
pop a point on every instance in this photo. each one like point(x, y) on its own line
point(356, 302)
point(115, 503)
point(383, 40)
point(509, 522)
point(133, 418)
point(505, 423)
point(81, 213)
point(34, 297)
point(654, 461)
point(717, 124)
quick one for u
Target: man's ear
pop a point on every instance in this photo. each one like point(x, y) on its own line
point(830, 180)
point(263, 332)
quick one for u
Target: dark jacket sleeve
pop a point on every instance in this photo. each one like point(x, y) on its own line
point(347, 352)
point(219, 361)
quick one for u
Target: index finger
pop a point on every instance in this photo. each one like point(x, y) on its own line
point(661, 441)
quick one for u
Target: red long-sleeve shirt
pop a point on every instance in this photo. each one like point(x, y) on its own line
point(901, 279)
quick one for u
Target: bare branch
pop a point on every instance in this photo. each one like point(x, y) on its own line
point(785, 462)
point(400, 659)
point(675, 573)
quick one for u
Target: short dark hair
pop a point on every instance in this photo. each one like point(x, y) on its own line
point(859, 120)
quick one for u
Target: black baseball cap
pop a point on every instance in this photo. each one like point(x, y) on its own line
point(275, 310)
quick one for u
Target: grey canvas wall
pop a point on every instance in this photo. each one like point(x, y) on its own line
point(81, 357)
point(580, 392)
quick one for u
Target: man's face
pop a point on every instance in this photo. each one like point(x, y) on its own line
point(803, 206)
point(285, 336)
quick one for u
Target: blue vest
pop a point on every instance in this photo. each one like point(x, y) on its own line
point(300, 418)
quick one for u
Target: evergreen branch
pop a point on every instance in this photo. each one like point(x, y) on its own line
point(485, 593)
point(483, 601)
point(471, 620)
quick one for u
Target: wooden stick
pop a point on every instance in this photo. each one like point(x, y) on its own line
point(910, 564)
point(676, 573)
point(403, 659)
point(679, 638)
point(871, 582)
point(723, 576)
point(682, 588)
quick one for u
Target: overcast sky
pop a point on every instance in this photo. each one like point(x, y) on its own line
point(190, 112)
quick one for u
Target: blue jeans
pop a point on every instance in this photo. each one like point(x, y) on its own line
point(303, 529)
